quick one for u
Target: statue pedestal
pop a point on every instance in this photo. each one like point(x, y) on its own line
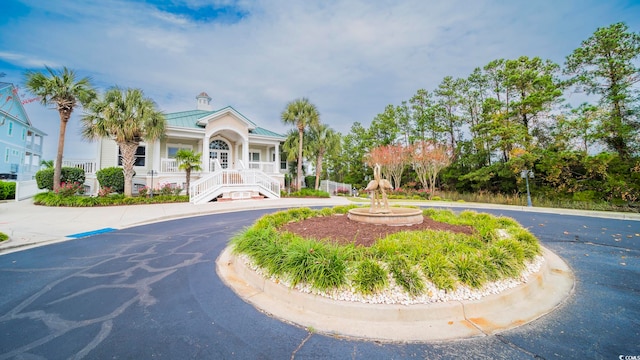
point(392, 217)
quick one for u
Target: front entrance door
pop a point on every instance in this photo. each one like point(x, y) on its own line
point(219, 149)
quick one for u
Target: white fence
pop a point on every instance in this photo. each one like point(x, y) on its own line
point(27, 189)
point(89, 166)
point(335, 188)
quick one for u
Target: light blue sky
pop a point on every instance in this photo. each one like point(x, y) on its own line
point(351, 58)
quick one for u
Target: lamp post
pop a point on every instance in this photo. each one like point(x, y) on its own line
point(526, 174)
point(152, 172)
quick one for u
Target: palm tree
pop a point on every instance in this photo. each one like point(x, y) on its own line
point(322, 139)
point(63, 91)
point(290, 148)
point(128, 118)
point(47, 164)
point(188, 161)
point(302, 114)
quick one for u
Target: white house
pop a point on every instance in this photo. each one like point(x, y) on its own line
point(239, 159)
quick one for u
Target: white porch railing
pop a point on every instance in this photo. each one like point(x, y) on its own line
point(169, 166)
point(267, 167)
point(205, 188)
point(89, 166)
point(214, 165)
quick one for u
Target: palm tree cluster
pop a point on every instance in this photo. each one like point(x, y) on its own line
point(124, 115)
point(310, 139)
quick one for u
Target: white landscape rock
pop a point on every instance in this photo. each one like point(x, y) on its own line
point(394, 294)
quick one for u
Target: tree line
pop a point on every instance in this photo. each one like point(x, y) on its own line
point(511, 115)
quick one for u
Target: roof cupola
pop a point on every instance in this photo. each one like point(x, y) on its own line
point(204, 101)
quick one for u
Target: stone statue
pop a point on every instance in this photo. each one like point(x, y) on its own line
point(379, 204)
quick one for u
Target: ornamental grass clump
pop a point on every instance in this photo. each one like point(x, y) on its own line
point(498, 248)
point(319, 264)
point(469, 269)
point(369, 277)
point(406, 276)
point(440, 271)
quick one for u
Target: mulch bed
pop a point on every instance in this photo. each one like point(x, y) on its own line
point(339, 229)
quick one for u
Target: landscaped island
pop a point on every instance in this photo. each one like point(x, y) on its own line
point(447, 257)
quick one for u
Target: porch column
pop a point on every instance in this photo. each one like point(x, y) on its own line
point(157, 157)
point(237, 156)
point(99, 157)
point(276, 168)
point(206, 164)
point(245, 152)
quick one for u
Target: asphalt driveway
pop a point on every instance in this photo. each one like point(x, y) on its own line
point(152, 292)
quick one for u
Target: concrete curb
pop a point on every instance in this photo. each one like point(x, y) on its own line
point(542, 293)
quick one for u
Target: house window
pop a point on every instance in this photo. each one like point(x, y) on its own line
point(24, 134)
point(172, 150)
point(6, 155)
point(219, 149)
point(218, 145)
point(254, 156)
point(10, 129)
point(283, 161)
point(140, 156)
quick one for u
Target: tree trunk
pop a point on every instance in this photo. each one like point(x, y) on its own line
point(318, 170)
point(299, 180)
point(188, 180)
point(128, 155)
point(57, 171)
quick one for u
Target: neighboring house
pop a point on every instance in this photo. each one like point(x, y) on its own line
point(20, 142)
point(239, 159)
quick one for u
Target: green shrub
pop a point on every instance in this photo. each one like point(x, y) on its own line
point(7, 190)
point(111, 177)
point(310, 181)
point(588, 195)
point(304, 192)
point(52, 199)
point(44, 178)
point(3, 237)
point(369, 277)
point(72, 175)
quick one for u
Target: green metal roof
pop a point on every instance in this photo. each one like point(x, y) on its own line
point(265, 132)
point(189, 119)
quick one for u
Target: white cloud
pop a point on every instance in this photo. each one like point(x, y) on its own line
point(25, 60)
point(351, 58)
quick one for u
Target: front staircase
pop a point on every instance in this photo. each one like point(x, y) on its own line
point(233, 184)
